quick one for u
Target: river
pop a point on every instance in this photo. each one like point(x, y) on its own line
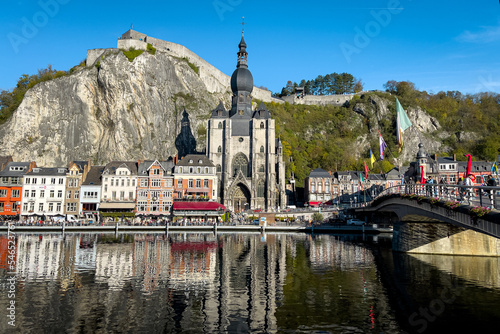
point(240, 283)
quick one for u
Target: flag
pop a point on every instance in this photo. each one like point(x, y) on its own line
point(402, 123)
point(382, 144)
point(494, 168)
point(366, 171)
point(361, 181)
point(372, 158)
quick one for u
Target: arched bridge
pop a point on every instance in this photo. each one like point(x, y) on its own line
point(462, 206)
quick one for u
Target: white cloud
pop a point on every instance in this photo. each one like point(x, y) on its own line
point(486, 35)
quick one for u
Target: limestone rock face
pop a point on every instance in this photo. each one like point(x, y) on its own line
point(120, 111)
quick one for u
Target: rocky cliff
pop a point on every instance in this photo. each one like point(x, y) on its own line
point(116, 109)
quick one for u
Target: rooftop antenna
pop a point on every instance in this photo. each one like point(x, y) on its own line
point(242, 26)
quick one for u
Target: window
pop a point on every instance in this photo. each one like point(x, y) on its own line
point(123, 182)
point(112, 182)
point(261, 189)
point(191, 170)
point(1, 206)
point(53, 180)
point(262, 125)
point(16, 193)
point(219, 169)
point(219, 149)
point(128, 182)
point(25, 206)
point(113, 195)
point(33, 193)
point(70, 183)
point(28, 180)
point(261, 169)
point(262, 149)
point(144, 182)
point(143, 194)
point(34, 180)
point(168, 183)
point(198, 183)
point(26, 193)
point(77, 194)
point(156, 171)
point(51, 207)
point(131, 195)
point(105, 188)
point(59, 193)
point(190, 183)
point(205, 183)
point(240, 162)
point(3, 192)
point(76, 182)
point(32, 206)
point(220, 125)
point(142, 206)
point(5, 180)
point(133, 182)
point(68, 194)
point(61, 180)
point(51, 194)
point(179, 183)
point(40, 207)
point(155, 183)
point(320, 187)
point(122, 195)
point(313, 187)
point(58, 206)
point(43, 180)
point(71, 207)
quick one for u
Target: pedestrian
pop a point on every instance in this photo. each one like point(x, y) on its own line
point(491, 183)
point(468, 191)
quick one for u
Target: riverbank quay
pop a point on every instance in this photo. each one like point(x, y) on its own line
point(193, 229)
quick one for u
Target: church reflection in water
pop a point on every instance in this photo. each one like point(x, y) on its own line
point(201, 282)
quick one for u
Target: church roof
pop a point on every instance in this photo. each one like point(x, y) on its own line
point(220, 111)
point(262, 112)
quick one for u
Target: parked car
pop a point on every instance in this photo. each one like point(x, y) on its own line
point(355, 221)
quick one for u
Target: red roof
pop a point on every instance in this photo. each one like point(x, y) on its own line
point(198, 206)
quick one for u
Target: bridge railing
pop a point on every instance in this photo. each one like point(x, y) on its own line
point(471, 195)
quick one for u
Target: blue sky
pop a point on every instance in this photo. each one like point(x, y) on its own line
point(438, 45)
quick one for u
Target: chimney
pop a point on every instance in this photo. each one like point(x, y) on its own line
point(454, 157)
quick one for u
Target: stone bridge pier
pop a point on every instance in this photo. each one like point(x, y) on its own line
point(442, 238)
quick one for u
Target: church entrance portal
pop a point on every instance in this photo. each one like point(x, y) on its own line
point(241, 198)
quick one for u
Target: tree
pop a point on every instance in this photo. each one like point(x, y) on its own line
point(358, 87)
point(318, 217)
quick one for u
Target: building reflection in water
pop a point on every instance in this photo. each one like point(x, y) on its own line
point(198, 283)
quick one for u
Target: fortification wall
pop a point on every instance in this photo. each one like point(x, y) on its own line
point(321, 100)
point(131, 43)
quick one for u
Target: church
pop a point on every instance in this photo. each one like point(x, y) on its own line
point(242, 144)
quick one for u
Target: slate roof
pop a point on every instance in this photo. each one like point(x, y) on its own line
point(318, 172)
point(195, 160)
point(94, 176)
point(113, 165)
point(8, 172)
point(48, 171)
point(143, 167)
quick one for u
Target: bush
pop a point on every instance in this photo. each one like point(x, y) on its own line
point(132, 53)
point(151, 49)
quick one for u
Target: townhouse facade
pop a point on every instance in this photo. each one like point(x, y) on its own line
point(43, 192)
point(119, 186)
point(195, 177)
point(155, 187)
point(77, 171)
point(11, 187)
point(90, 192)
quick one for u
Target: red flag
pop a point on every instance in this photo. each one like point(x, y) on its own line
point(469, 162)
point(422, 178)
point(366, 172)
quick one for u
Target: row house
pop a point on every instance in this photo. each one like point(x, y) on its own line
point(155, 187)
point(119, 186)
point(195, 178)
point(77, 171)
point(319, 187)
point(11, 187)
point(447, 169)
point(90, 192)
point(43, 192)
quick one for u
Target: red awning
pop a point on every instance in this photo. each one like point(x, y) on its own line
point(314, 203)
point(197, 206)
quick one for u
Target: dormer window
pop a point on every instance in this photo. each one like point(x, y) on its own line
point(60, 170)
point(190, 161)
point(200, 161)
point(36, 170)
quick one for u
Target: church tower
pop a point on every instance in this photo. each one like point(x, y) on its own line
point(242, 144)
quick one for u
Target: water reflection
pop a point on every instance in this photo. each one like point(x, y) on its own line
point(235, 283)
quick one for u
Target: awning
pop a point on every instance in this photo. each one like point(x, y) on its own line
point(115, 205)
point(197, 206)
point(314, 203)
